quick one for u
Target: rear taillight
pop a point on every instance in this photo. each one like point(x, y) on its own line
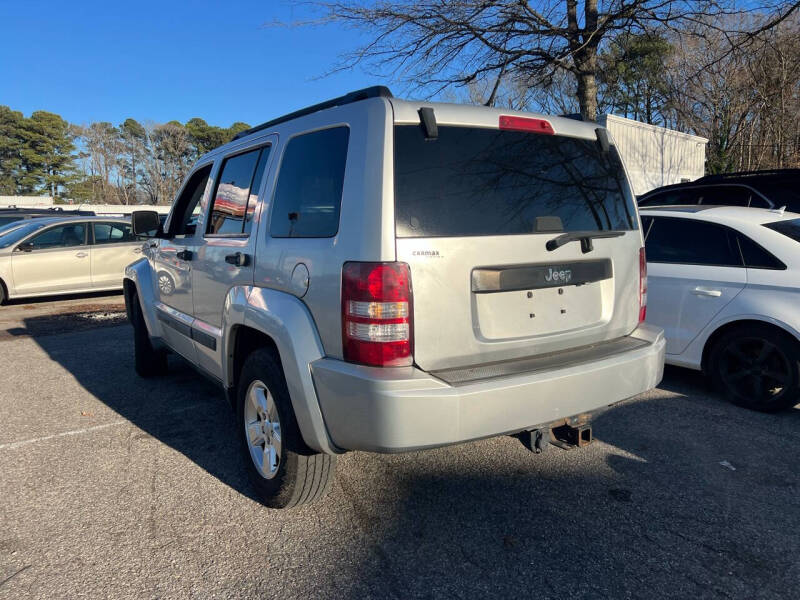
point(529, 124)
point(642, 286)
point(377, 326)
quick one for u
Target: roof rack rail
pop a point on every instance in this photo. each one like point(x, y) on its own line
point(715, 176)
point(376, 91)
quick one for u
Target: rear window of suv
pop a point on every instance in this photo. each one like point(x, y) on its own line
point(474, 182)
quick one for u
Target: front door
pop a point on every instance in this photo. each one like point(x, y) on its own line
point(53, 260)
point(694, 269)
point(226, 250)
point(172, 258)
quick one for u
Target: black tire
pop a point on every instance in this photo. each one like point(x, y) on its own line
point(148, 361)
point(756, 367)
point(2, 293)
point(301, 475)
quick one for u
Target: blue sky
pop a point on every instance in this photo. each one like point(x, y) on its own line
point(157, 61)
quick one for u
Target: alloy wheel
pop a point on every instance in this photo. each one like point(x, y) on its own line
point(755, 370)
point(262, 429)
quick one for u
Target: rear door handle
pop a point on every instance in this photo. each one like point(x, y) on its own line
point(184, 255)
point(703, 291)
point(238, 259)
point(82, 254)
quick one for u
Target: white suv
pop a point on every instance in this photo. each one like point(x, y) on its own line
point(385, 275)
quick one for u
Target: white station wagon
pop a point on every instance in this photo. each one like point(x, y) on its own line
point(724, 283)
point(40, 257)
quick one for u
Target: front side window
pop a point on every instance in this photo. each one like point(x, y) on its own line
point(308, 194)
point(472, 181)
point(63, 236)
point(113, 233)
point(236, 195)
point(691, 242)
point(187, 207)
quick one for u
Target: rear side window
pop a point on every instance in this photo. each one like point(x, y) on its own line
point(725, 195)
point(236, 193)
point(113, 233)
point(308, 195)
point(756, 257)
point(783, 191)
point(474, 182)
point(691, 242)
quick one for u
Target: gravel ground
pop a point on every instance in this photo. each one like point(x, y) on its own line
point(113, 486)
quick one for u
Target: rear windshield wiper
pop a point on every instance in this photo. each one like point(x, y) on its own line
point(585, 238)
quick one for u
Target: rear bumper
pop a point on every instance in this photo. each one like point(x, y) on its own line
point(395, 410)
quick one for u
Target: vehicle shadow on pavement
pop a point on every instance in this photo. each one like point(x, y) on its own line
point(681, 496)
point(181, 409)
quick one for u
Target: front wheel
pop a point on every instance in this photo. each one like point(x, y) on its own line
point(148, 361)
point(284, 471)
point(757, 368)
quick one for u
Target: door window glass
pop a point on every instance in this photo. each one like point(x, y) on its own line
point(187, 207)
point(688, 241)
point(725, 195)
point(236, 194)
point(63, 236)
point(308, 194)
point(757, 257)
point(682, 197)
point(113, 233)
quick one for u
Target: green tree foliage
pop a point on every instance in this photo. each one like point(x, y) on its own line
point(11, 142)
point(128, 164)
point(47, 153)
point(632, 76)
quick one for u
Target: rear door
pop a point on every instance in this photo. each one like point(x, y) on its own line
point(53, 260)
point(113, 248)
point(475, 210)
point(226, 251)
point(694, 269)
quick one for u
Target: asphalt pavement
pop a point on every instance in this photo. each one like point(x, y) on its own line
point(112, 486)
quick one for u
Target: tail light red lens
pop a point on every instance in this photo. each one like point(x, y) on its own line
point(642, 285)
point(377, 326)
point(526, 124)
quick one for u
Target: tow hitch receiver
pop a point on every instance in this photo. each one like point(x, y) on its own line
point(569, 437)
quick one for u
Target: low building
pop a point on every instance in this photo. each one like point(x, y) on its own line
point(655, 156)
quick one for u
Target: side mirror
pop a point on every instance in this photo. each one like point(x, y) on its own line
point(146, 223)
point(25, 247)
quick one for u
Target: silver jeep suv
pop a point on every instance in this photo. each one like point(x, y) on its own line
point(387, 275)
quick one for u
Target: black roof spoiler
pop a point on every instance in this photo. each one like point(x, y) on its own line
point(376, 91)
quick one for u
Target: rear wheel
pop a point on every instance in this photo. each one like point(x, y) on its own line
point(2, 293)
point(147, 360)
point(757, 368)
point(284, 471)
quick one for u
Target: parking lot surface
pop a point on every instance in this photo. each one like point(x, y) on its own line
point(115, 486)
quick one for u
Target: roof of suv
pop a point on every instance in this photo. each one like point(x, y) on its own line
point(406, 111)
point(750, 178)
point(730, 215)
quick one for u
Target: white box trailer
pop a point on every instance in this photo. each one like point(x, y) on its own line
point(656, 156)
